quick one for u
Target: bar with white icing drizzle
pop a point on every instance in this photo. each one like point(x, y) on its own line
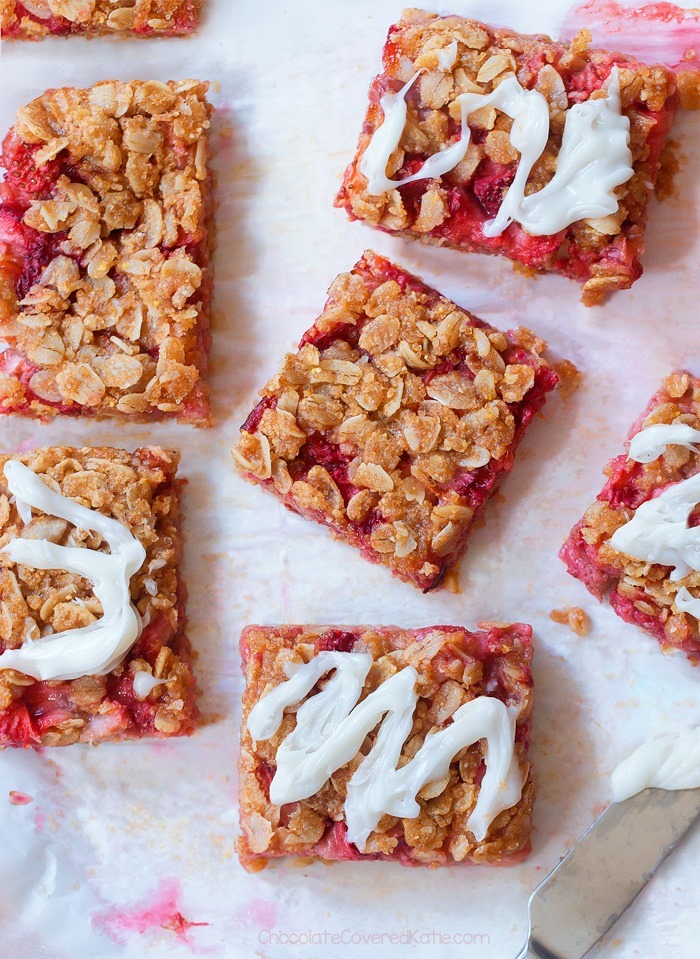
point(659, 532)
point(90, 650)
point(594, 158)
point(331, 726)
point(668, 761)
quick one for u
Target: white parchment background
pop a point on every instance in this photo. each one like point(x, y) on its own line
point(109, 826)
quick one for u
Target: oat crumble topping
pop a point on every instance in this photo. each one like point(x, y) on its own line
point(104, 278)
point(395, 418)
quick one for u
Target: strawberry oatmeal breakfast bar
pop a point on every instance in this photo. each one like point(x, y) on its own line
point(92, 607)
point(396, 419)
point(484, 140)
point(35, 19)
point(329, 713)
point(640, 541)
point(105, 240)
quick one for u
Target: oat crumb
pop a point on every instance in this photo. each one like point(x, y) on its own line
point(569, 377)
point(573, 617)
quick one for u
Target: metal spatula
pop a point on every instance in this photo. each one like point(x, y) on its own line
point(608, 867)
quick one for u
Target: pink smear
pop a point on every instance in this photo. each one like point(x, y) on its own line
point(26, 445)
point(39, 820)
point(655, 32)
point(20, 799)
point(258, 913)
point(162, 912)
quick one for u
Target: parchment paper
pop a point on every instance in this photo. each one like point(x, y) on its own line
point(124, 845)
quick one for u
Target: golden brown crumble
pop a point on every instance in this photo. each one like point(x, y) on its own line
point(450, 673)
point(117, 322)
point(574, 617)
point(136, 489)
point(382, 404)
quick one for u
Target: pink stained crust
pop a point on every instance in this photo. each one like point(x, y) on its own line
point(161, 910)
point(627, 487)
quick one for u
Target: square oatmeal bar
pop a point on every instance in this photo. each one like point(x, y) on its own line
point(507, 187)
point(92, 642)
point(395, 420)
point(640, 541)
point(35, 19)
point(464, 697)
point(105, 238)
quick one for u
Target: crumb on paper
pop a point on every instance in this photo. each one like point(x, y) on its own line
point(573, 617)
point(19, 799)
point(451, 582)
point(527, 271)
point(569, 377)
point(671, 161)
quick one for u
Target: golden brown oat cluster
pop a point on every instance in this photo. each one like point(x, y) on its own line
point(454, 666)
point(141, 491)
point(105, 285)
point(395, 419)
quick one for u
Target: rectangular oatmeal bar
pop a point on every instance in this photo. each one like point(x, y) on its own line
point(439, 689)
point(395, 420)
point(70, 671)
point(640, 541)
point(457, 66)
point(35, 19)
point(105, 239)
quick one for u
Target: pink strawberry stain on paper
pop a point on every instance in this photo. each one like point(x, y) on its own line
point(258, 913)
point(161, 911)
point(654, 32)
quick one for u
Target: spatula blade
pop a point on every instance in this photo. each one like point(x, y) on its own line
point(607, 868)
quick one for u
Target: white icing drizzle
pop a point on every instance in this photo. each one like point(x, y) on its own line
point(97, 648)
point(593, 160)
point(669, 761)
point(648, 444)
point(659, 532)
point(144, 683)
point(386, 139)
point(331, 727)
